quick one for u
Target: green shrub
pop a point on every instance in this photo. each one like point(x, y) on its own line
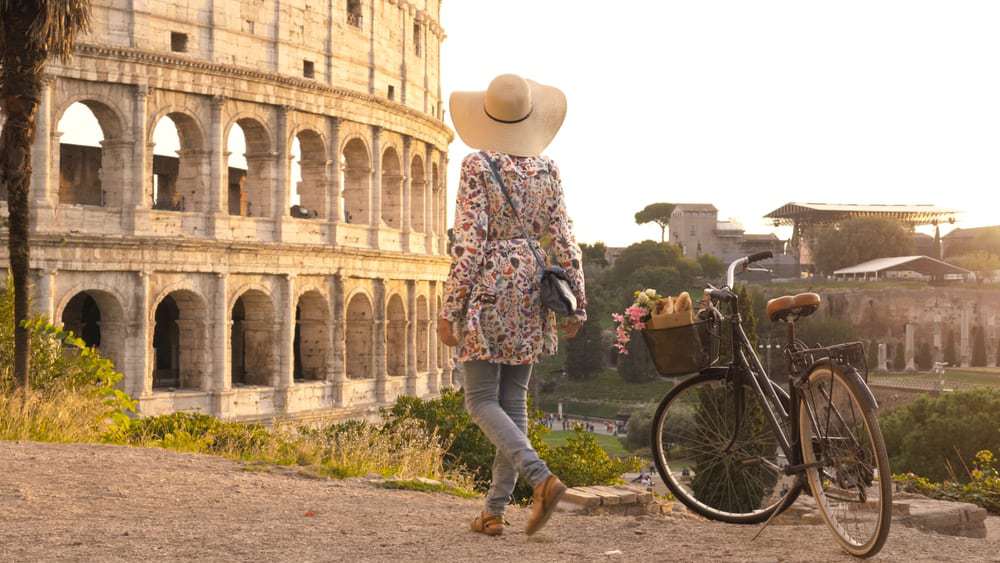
point(637, 366)
point(73, 391)
point(585, 354)
point(934, 435)
point(581, 461)
point(639, 428)
point(982, 487)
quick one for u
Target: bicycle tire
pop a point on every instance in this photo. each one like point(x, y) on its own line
point(845, 470)
point(682, 396)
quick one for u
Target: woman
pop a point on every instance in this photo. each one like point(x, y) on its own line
point(492, 309)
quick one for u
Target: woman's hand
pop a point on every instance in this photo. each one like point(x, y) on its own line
point(570, 326)
point(445, 334)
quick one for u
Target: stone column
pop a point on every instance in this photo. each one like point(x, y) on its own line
point(909, 352)
point(375, 208)
point(991, 342)
point(222, 322)
point(379, 342)
point(337, 368)
point(407, 223)
point(335, 205)
point(137, 193)
point(218, 178)
point(938, 341)
point(411, 338)
point(883, 357)
point(286, 347)
point(965, 351)
point(141, 370)
point(433, 373)
point(283, 192)
point(42, 193)
point(429, 190)
point(45, 294)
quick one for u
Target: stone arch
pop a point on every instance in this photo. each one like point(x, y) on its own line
point(395, 314)
point(311, 169)
point(253, 338)
point(250, 176)
point(180, 340)
point(98, 318)
point(392, 189)
point(92, 171)
point(178, 181)
point(423, 334)
point(312, 336)
point(418, 187)
point(357, 172)
point(359, 339)
point(437, 221)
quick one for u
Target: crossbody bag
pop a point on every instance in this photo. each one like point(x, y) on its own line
point(556, 292)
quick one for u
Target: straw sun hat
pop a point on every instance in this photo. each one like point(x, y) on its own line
point(513, 116)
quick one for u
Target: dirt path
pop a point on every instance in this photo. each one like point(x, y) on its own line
point(104, 503)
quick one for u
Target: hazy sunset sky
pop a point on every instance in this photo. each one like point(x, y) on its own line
point(746, 105)
point(749, 105)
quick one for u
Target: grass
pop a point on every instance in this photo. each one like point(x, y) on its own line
point(608, 386)
point(53, 415)
point(424, 486)
point(960, 378)
point(610, 444)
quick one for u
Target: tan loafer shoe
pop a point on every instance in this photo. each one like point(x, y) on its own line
point(489, 525)
point(543, 503)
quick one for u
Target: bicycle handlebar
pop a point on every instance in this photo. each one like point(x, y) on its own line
point(743, 263)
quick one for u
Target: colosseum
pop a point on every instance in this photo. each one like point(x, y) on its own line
point(285, 257)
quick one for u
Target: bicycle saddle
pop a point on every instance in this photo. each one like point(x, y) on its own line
point(792, 307)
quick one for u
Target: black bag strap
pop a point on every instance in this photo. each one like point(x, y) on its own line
point(503, 188)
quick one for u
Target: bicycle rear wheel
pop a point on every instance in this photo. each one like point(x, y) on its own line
point(716, 452)
point(848, 468)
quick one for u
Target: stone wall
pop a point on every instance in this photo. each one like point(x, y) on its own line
point(909, 317)
point(216, 298)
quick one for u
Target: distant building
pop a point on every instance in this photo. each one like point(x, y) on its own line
point(922, 268)
point(953, 242)
point(696, 228)
point(805, 217)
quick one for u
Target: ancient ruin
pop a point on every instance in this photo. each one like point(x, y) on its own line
point(300, 280)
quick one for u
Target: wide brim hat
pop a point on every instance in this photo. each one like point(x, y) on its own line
point(514, 116)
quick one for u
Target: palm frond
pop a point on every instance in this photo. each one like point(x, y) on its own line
point(56, 25)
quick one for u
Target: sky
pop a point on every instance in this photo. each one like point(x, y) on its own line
point(745, 105)
point(748, 105)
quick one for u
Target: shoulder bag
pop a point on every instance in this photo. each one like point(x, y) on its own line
point(557, 295)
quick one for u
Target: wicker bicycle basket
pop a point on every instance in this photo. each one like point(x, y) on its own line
point(684, 349)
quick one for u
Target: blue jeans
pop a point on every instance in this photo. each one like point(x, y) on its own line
point(496, 396)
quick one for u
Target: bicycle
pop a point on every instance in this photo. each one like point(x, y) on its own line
point(734, 446)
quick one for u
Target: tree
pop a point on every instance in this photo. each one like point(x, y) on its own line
point(711, 267)
point(981, 262)
point(595, 254)
point(31, 31)
point(658, 213)
point(858, 240)
point(748, 315)
point(637, 366)
point(986, 241)
point(585, 354)
point(658, 265)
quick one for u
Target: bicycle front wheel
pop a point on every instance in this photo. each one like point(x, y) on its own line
point(847, 466)
point(717, 453)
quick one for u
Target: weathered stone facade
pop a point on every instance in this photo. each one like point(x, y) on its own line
point(235, 307)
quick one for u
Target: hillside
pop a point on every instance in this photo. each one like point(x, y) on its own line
point(107, 503)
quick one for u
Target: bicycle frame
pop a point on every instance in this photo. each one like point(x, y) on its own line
point(745, 367)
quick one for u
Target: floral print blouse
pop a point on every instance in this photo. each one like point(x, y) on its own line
point(493, 292)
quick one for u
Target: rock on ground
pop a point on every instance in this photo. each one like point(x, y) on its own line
point(108, 503)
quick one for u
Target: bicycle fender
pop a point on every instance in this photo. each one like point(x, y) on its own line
point(853, 378)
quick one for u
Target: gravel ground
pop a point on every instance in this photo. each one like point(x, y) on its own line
point(107, 503)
